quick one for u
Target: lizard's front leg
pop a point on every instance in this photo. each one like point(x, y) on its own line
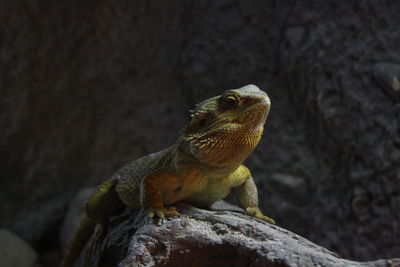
point(152, 188)
point(248, 197)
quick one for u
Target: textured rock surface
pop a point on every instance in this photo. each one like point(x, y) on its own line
point(206, 238)
point(85, 87)
point(75, 214)
point(15, 252)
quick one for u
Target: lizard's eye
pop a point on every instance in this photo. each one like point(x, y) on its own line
point(232, 100)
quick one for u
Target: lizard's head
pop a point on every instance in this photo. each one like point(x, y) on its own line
point(225, 129)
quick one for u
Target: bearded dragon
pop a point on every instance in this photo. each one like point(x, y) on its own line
point(202, 166)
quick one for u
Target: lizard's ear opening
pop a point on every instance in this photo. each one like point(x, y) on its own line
point(202, 122)
point(199, 122)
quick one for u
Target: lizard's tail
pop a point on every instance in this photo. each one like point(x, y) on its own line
point(101, 205)
point(79, 239)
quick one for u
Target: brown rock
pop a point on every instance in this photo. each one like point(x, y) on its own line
point(201, 237)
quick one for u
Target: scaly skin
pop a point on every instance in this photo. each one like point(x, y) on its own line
point(201, 167)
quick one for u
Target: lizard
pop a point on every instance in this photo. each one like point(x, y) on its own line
point(201, 167)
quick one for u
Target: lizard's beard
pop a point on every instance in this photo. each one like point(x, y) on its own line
point(229, 145)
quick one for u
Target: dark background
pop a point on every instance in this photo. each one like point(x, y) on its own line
point(86, 86)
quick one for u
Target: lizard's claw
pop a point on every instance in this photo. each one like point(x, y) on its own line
point(162, 212)
point(256, 212)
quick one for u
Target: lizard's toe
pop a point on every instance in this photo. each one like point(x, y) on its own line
point(266, 219)
point(162, 212)
point(256, 212)
point(171, 212)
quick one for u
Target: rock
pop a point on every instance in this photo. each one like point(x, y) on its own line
point(292, 188)
point(388, 76)
point(295, 35)
point(224, 205)
point(201, 237)
point(74, 215)
point(15, 252)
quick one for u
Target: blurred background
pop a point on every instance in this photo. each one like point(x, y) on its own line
point(86, 86)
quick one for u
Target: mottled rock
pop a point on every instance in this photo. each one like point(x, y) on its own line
point(295, 35)
point(15, 252)
point(388, 76)
point(74, 215)
point(292, 188)
point(201, 238)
